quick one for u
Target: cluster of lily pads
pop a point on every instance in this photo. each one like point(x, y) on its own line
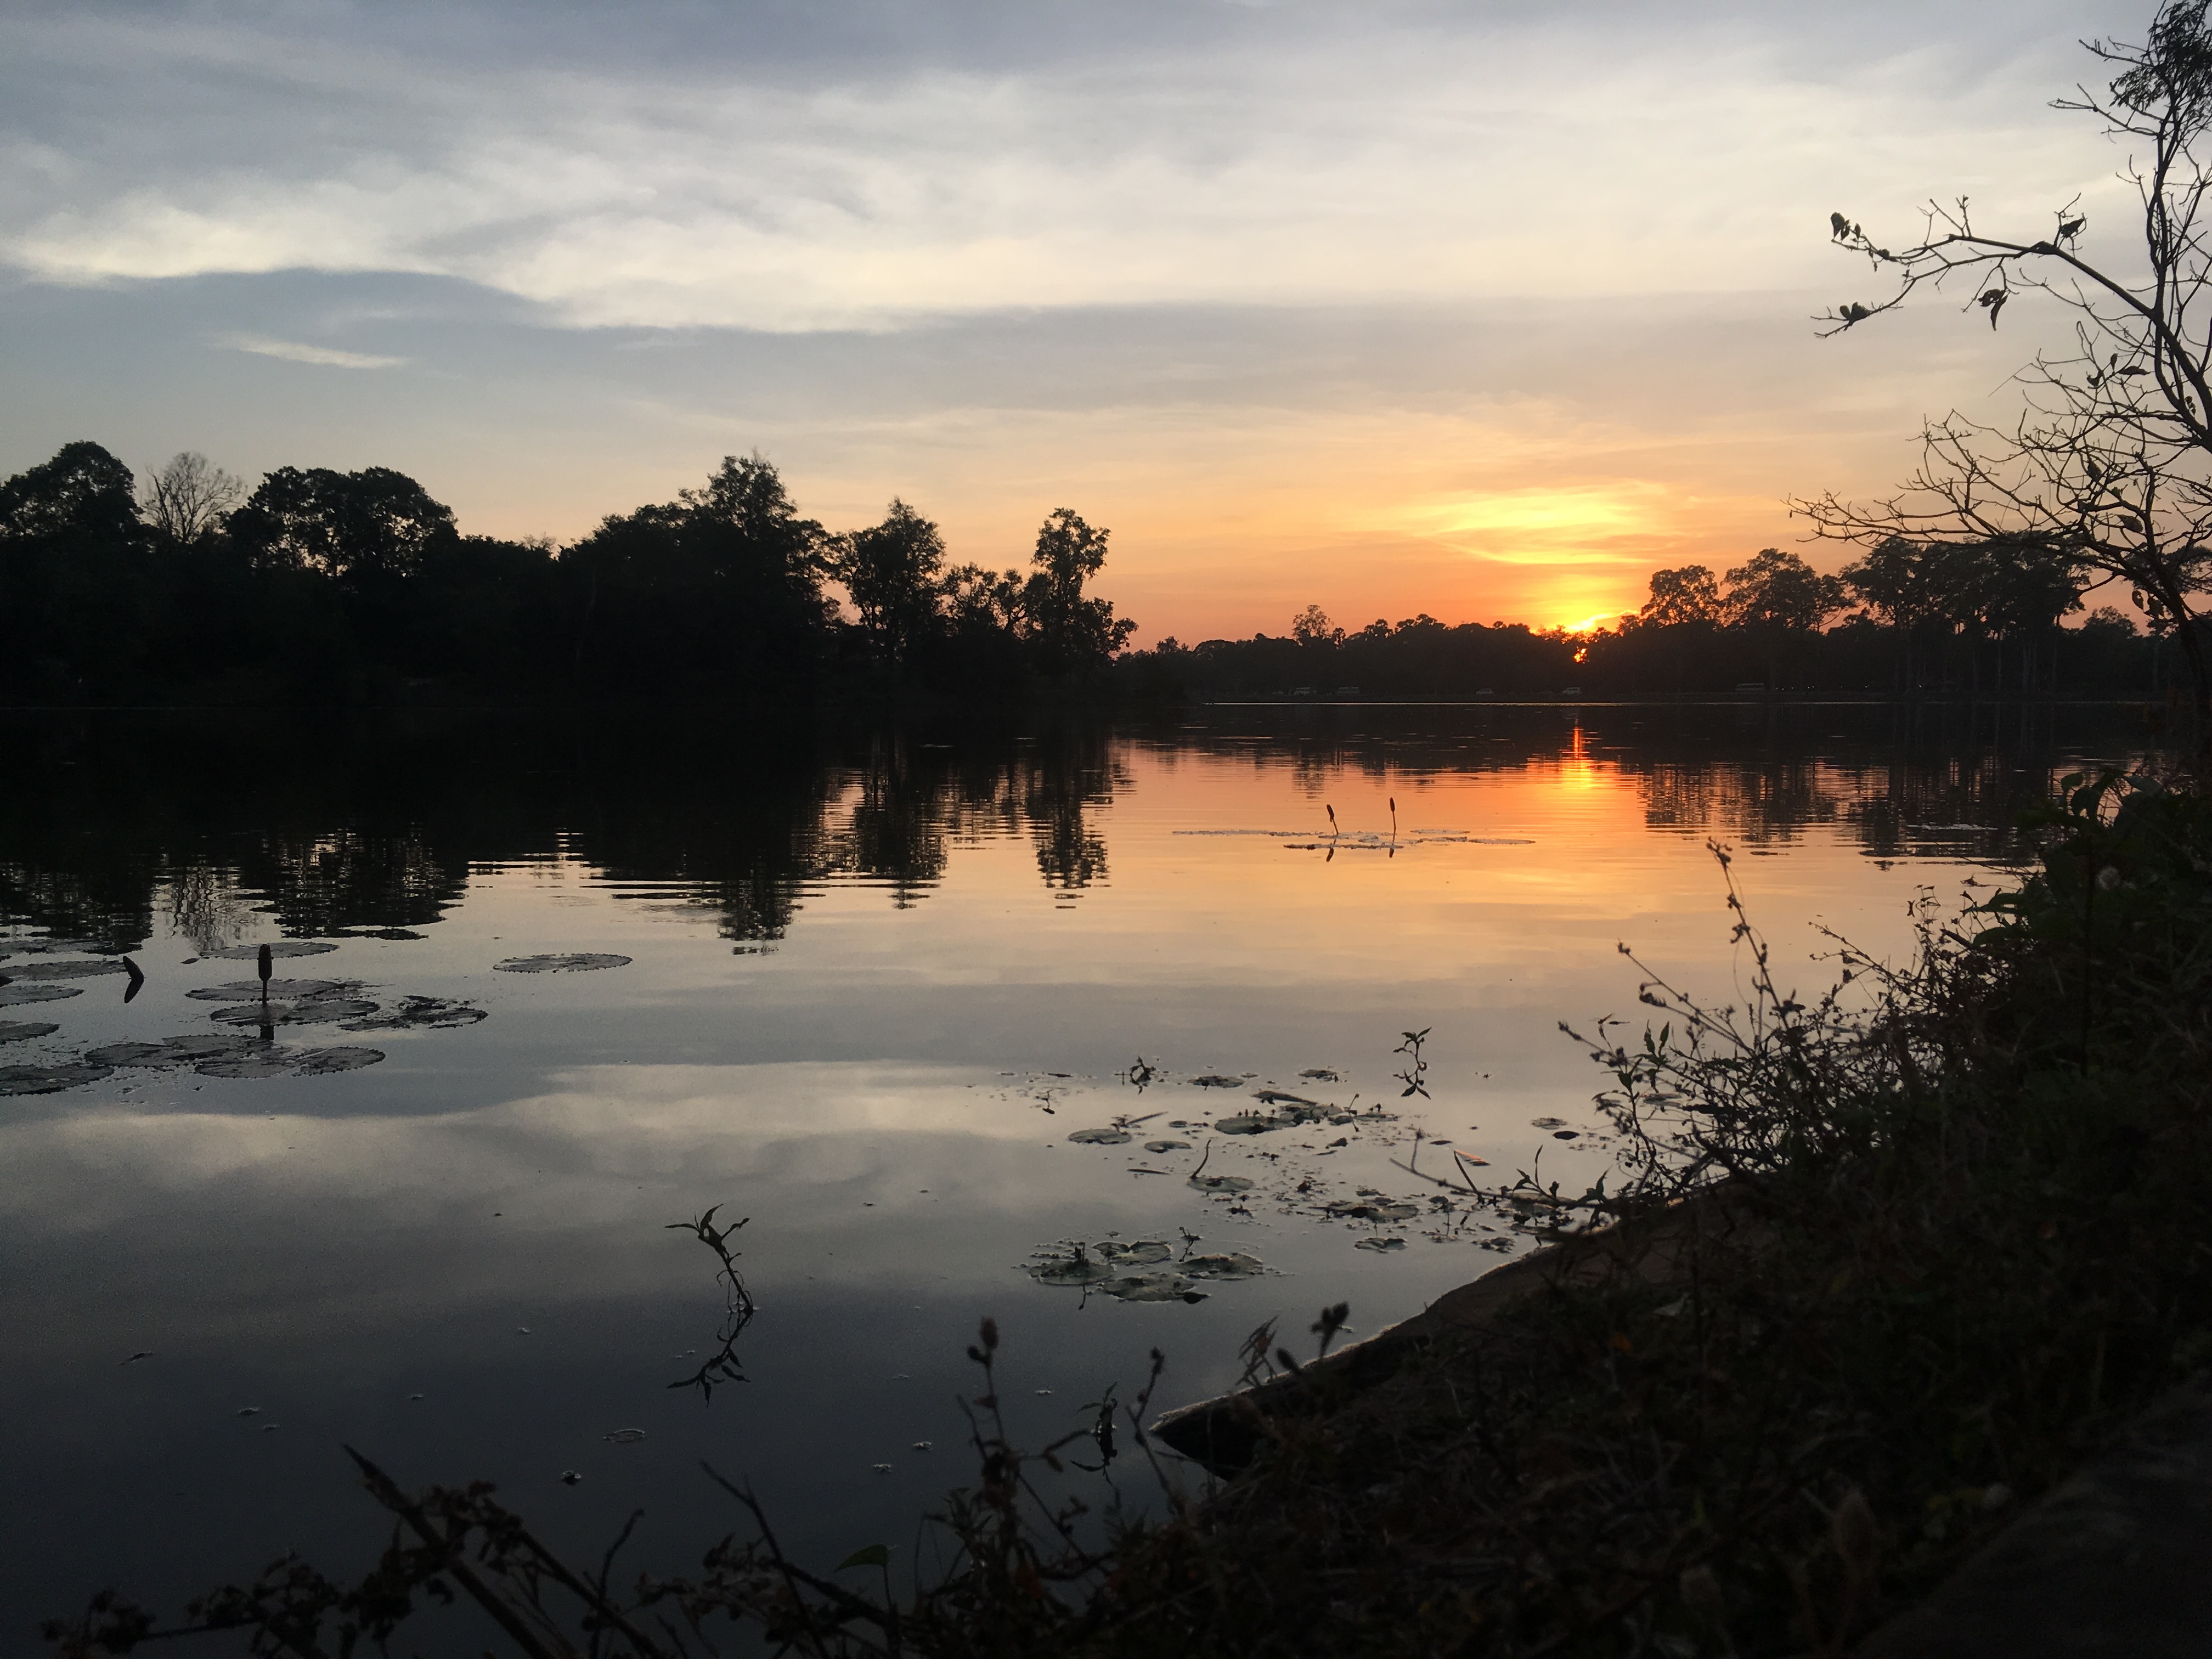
point(1145, 1270)
point(1457, 1210)
point(256, 1003)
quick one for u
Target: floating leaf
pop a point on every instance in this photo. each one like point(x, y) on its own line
point(15, 1030)
point(1278, 1097)
point(420, 1013)
point(1143, 1253)
point(1166, 1145)
point(1547, 1123)
point(274, 1061)
point(1214, 1080)
point(47, 1080)
point(582, 961)
point(52, 947)
point(1248, 1123)
point(1235, 1265)
point(33, 971)
point(623, 1437)
point(1152, 1287)
point(171, 1051)
point(1372, 1210)
point(1221, 1183)
point(12, 994)
point(1076, 1269)
point(241, 990)
point(282, 947)
point(1379, 1245)
point(268, 1062)
point(314, 1010)
point(321, 1062)
point(1321, 1074)
point(1100, 1136)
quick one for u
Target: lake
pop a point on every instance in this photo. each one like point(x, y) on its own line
point(861, 988)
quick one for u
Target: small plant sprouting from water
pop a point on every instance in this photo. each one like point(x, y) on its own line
point(737, 1305)
point(1415, 1071)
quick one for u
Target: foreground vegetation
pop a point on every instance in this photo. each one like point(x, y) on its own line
point(1942, 1230)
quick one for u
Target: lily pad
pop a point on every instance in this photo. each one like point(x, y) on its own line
point(1321, 1074)
point(1383, 1244)
point(30, 971)
point(1547, 1123)
point(272, 1060)
point(1141, 1253)
point(1166, 1145)
point(243, 990)
point(12, 994)
point(312, 1010)
point(582, 961)
point(50, 947)
point(321, 1062)
point(281, 947)
point(171, 1051)
point(1221, 1183)
point(1164, 1286)
point(425, 1014)
point(1247, 1123)
point(1214, 1080)
point(47, 1080)
point(267, 1062)
point(15, 1030)
point(1372, 1210)
point(1078, 1268)
point(1101, 1137)
point(1234, 1265)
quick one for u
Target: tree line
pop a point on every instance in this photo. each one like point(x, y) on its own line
point(1936, 619)
point(322, 586)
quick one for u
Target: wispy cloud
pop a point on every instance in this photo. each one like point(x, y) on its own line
point(293, 352)
point(1408, 154)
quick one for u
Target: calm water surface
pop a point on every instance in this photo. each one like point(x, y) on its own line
point(874, 986)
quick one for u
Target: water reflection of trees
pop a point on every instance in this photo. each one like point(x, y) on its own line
point(382, 834)
point(910, 801)
point(1756, 804)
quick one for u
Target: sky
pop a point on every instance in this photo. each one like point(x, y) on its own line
point(1482, 310)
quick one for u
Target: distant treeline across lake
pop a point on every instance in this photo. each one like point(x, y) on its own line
point(358, 588)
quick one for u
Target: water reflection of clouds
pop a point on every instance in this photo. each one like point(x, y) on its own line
point(598, 1127)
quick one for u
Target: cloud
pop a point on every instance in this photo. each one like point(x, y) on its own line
point(292, 352)
point(1289, 157)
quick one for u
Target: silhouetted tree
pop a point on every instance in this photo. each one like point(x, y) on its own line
point(1073, 635)
point(895, 572)
point(1779, 590)
point(82, 498)
point(1311, 626)
point(720, 587)
point(2110, 463)
point(189, 498)
point(356, 527)
point(1691, 594)
point(75, 607)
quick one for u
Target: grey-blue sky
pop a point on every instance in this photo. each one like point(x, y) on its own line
point(1383, 305)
